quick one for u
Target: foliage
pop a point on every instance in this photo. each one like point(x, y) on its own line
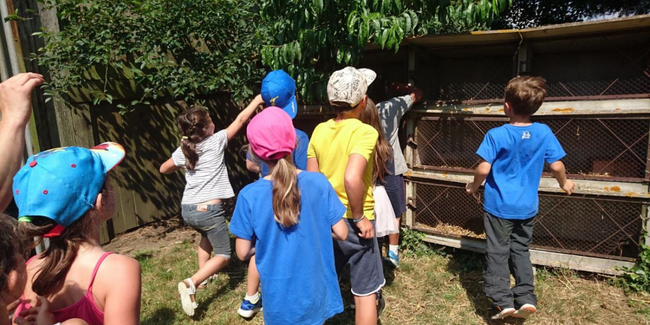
point(309, 39)
point(526, 13)
point(637, 278)
point(412, 243)
point(182, 47)
point(190, 47)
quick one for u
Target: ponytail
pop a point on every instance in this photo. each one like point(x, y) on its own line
point(193, 125)
point(286, 196)
point(383, 150)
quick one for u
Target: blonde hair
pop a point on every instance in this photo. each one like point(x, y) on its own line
point(383, 150)
point(286, 195)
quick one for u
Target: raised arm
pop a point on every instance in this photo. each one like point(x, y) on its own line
point(243, 117)
point(16, 109)
point(416, 94)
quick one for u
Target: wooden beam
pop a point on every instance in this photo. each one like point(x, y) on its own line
point(541, 257)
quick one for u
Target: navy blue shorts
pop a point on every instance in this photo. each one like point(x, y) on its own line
point(399, 179)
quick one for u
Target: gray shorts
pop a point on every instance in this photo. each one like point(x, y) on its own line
point(364, 257)
point(209, 220)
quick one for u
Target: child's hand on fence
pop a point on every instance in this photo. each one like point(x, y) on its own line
point(37, 315)
point(568, 187)
point(471, 190)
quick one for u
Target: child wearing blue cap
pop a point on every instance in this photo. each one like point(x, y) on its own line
point(63, 194)
point(278, 89)
point(202, 155)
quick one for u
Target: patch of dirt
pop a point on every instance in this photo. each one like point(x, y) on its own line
point(153, 236)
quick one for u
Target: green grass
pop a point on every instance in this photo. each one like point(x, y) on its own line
point(430, 289)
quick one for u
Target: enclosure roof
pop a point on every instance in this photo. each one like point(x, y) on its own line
point(516, 35)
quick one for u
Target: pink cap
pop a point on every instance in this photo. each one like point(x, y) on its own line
point(271, 134)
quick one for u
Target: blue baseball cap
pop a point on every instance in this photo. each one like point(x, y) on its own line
point(62, 184)
point(279, 89)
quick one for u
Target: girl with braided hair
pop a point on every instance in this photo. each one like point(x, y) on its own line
point(201, 154)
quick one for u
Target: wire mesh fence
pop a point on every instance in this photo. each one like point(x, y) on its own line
point(597, 148)
point(570, 224)
point(594, 67)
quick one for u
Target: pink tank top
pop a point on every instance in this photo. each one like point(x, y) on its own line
point(85, 308)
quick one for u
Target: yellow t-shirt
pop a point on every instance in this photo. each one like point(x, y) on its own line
point(332, 143)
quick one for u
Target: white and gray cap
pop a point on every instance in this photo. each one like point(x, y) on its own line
point(349, 85)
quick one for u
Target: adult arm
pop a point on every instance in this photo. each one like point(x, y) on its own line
point(16, 109)
point(122, 305)
point(243, 117)
point(559, 172)
point(482, 170)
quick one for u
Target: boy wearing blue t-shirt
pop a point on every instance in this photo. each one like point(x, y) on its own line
point(512, 160)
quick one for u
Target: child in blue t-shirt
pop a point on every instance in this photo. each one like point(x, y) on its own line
point(287, 219)
point(513, 157)
point(279, 90)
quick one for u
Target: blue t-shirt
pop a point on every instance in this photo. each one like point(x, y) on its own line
point(299, 154)
point(517, 155)
point(296, 264)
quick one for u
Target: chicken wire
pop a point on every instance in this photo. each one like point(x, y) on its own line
point(597, 148)
point(575, 224)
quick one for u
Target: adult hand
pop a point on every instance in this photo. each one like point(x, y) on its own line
point(366, 229)
point(16, 98)
point(12, 306)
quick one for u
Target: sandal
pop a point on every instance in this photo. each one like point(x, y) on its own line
point(186, 290)
point(205, 282)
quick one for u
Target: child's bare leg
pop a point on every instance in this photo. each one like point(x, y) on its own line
point(74, 321)
point(393, 239)
point(204, 251)
point(366, 310)
point(253, 282)
point(210, 267)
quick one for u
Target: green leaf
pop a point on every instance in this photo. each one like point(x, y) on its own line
point(408, 27)
point(384, 38)
point(318, 6)
point(352, 20)
point(398, 5)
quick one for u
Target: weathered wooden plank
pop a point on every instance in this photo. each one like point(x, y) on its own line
point(560, 108)
point(549, 184)
point(540, 257)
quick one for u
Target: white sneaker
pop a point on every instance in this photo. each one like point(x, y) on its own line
point(504, 313)
point(525, 311)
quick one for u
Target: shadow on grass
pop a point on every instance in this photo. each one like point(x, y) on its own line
point(469, 268)
point(164, 315)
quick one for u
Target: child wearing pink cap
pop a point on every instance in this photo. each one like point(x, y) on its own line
point(287, 219)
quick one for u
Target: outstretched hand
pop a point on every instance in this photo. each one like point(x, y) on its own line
point(16, 97)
